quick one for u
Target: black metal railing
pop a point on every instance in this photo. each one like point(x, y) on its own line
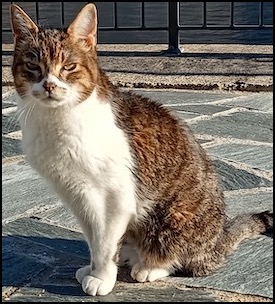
point(173, 26)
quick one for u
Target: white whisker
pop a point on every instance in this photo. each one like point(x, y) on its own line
point(29, 113)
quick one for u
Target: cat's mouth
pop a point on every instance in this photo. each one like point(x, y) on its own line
point(52, 101)
point(49, 98)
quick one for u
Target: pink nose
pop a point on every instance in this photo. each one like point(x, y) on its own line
point(49, 86)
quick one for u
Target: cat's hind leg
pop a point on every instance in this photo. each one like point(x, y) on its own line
point(129, 257)
point(142, 273)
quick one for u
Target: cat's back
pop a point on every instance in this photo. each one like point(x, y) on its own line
point(138, 114)
point(167, 155)
point(149, 123)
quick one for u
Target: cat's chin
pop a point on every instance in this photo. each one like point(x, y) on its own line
point(51, 102)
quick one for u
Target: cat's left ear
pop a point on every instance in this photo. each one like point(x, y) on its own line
point(22, 25)
point(84, 26)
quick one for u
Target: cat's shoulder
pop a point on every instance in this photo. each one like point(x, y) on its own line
point(137, 104)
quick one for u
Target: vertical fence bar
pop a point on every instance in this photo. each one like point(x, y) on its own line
point(232, 14)
point(261, 14)
point(204, 12)
point(115, 15)
point(173, 29)
point(62, 14)
point(142, 15)
point(37, 12)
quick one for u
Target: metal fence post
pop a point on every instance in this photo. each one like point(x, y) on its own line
point(173, 29)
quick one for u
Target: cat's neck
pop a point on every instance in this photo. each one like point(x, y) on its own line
point(104, 86)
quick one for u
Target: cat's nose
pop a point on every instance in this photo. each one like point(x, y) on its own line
point(49, 86)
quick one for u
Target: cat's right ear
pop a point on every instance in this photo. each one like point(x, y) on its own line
point(21, 24)
point(84, 26)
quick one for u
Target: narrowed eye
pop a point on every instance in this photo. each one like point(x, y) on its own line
point(69, 67)
point(32, 66)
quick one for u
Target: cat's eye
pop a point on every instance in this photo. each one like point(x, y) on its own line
point(32, 66)
point(69, 67)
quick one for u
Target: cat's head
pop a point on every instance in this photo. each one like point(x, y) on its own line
point(54, 67)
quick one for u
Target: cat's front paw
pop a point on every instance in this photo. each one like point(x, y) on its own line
point(82, 272)
point(96, 287)
point(145, 274)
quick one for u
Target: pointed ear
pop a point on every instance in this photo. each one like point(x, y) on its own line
point(84, 26)
point(21, 24)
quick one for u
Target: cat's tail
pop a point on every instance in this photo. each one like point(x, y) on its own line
point(245, 226)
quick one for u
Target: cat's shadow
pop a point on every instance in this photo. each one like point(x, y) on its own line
point(48, 264)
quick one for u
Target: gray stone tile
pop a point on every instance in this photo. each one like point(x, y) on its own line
point(249, 270)
point(9, 123)
point(232, 178)
point(60, 215)
point(18, 264)
point(8, 97)
point(142, 293)
point(256, 201)
point(183, 97)
point(191, 111)
point(184, 115)
point(202, 109)
point(11, 147)
point(8, 104)
point(31, 249)
point(257, 157)
point(35, 230)
point(256, 126)
point(258, 101)
point(23, 189)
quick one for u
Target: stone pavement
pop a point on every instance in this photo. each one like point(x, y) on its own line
point(43, 245)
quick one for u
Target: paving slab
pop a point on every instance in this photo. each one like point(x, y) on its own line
point(181, 97)
point(203, 109)
point(249, 270)
point(257, 101)
point(23, 191)
point(9, 122)
point(120, 294)
point(254, 200)
point(250, 125)
point(257, 157)
point(185, 115)
point(232, 178)
point(12, 147)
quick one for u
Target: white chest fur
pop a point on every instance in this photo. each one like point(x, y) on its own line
point(79, 146)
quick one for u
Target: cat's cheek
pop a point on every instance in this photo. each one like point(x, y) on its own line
point(38, 91)
point(23, 88)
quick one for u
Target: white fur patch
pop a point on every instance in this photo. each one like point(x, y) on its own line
point(144, 274)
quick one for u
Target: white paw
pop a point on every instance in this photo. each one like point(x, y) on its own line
point(82, 272)
point(97, 287)
point(143, 274)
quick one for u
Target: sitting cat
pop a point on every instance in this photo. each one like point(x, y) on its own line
point(132, 173)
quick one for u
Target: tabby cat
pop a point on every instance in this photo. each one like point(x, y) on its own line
point(132, 173)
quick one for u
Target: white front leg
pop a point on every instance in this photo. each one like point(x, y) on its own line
point(104, 220)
